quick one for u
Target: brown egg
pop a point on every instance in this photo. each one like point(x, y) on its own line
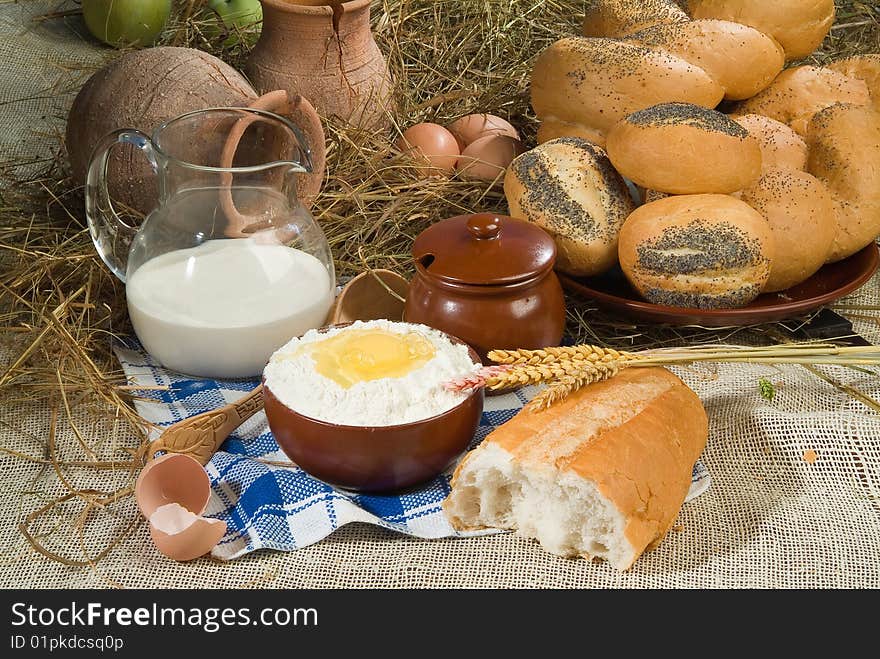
point(182, 535)
point(172, 478)
point(430, 142)
point(471, 127)
point(488, 157)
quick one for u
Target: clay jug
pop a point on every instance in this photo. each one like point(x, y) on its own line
point(326, 52)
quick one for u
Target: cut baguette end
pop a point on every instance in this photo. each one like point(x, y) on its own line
point(566, 514)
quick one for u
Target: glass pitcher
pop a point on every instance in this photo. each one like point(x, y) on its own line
point(230, 265)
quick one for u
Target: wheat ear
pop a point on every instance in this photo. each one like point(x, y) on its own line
point(566, 384)
point(521, 375)
point(567, 369)
point(589, 353)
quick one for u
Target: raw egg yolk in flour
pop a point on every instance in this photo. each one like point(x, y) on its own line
point(361, 355)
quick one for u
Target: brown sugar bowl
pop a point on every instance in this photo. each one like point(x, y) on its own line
point(376, 458)
point(487, 279)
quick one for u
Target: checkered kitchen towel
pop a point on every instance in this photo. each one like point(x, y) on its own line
point(266, 506)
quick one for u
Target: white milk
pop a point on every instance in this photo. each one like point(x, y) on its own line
point(222, 308)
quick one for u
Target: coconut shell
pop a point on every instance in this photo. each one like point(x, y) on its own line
point(141, 90)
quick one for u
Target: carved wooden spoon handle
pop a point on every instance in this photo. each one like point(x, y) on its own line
point(200, 436)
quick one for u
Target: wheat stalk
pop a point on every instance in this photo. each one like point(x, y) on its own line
point(567, 369)
point(560, 388)
point(549, 355)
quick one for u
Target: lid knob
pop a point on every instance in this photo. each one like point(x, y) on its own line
point(484, 226)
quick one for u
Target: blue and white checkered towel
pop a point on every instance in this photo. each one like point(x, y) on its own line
point(266, 506)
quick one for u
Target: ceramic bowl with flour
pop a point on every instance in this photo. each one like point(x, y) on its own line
point(363, 406)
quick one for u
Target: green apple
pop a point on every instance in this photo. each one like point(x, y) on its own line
point(126, 22)
point(236, 18)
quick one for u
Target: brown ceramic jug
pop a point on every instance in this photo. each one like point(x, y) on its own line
point(325, 51)
point(487, 279)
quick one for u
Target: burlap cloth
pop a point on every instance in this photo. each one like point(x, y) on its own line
point(771, 519)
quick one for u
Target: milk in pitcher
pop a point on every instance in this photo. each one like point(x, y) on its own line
point(225, 306)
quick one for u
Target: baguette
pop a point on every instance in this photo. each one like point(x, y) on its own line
point(601, 474)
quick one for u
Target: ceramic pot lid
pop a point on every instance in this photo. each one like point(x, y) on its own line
point(484, 249)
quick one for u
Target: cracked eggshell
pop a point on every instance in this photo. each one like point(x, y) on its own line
point(181, 535)
point(172, 478)
point(471, 127)
point(488, 157)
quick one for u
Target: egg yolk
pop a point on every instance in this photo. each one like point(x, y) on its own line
point(361, 355)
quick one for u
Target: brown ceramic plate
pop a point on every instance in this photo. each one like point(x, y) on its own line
point(613, 293)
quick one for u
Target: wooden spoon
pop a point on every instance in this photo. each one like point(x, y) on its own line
point(200, 436)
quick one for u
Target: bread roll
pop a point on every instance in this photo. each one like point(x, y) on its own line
point(844, 148)
point(697, 251)
point(798, 93)
point(590, 84)
point(798, 25)
point(738, 57)
point(780, 145)
point(800, 212)
point(649, 195)
point(569, 188)
point(553, 130)
point(865, 68)
point(614, 18)
point(684, 149)
point(601, 474)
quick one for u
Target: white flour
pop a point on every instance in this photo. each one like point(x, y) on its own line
point(418, 395)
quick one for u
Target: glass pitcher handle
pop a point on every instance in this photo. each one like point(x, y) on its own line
point(111, 234)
